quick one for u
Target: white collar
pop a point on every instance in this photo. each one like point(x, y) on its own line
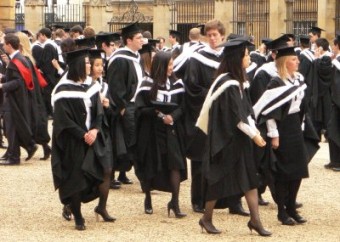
point(11, 56)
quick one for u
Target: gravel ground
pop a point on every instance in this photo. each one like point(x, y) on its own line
point(31, 211)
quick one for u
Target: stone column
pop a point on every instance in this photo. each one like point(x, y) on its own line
point(326, 14)
point(224, 13)
point(98, 14)
point(162, 18)
point(7, 14)
point(34, 19)
point(277, 18)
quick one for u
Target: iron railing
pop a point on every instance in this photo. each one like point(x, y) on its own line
point(19, 16)
point(305, 15)
point(251, 17)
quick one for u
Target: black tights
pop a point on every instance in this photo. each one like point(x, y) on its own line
point(104, 190)
point(175, 179)
point(75, 206)
point(286, 193)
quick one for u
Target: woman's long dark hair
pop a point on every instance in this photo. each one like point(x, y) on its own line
point(232, 63)
point(158, 73)
point(77, 69)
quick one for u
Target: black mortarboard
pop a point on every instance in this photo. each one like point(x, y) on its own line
point(107, 37)
point(278, 43)
point(175, 33)
point(149, 46)
point(75, 55)
point(315, 30)
point(10, 31)
point(292, 36)
point(285, 51)
point(28, 33)
point(131, 29)
point(304, 39)
point(96, 54)
point(86, 42)
point(233, 36)
point(236, 43)
point(67, 30)
point(163, 107)
point(266, 40)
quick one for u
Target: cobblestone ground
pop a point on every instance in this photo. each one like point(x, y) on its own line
point(31, 211)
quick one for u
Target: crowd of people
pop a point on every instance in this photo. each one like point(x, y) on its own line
point(246, 118)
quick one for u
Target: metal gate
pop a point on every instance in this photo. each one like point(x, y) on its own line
point(251, 17)
point(130, 15)
point(188, 14)
point(337, 16)
point(65, 15)
point(19, 16)
point(305, 15)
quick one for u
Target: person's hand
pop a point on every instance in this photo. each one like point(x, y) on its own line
point(275, 143)
point(90, 136)
point(259, 141)
point(168, 120)
point(105, 102)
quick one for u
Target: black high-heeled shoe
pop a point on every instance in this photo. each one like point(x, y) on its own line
point(211, 230)
point(175, 209)
point(148, 205)
point(80, 224)
point(67, 214)
point(105, 216)
point(259, 229)
point(47, 152)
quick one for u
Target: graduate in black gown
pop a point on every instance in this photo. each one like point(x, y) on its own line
point(229, 167)
point(160, 160)
point(334, 124)
point(280, 108)
point(79, 125)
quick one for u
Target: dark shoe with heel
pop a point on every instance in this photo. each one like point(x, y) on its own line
point(175, 208)
point(238, 210)
point(105, 216)
point(31, 152)
point(148, 205)
point(47, 152)
point(259, 229)
point(67, 214)
point(209, 227)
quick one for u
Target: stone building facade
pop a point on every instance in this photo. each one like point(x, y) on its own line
point(260, 18)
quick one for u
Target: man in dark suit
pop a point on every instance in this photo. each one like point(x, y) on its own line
point(17, 86)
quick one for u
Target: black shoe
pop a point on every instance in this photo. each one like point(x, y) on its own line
point(238, 210)
point(47, 152)
point(80, 224)
point(332, 165)
point(297, 217)
point(336, 168)
point(105, 216)
point(125, 180)
point(286, 220)
point(9, 162)
point(209, 227)
point(31, 152)
point(259, 229)
point(175, 208)
point(148, 205)
point(197, 208)
point(67, 214)
point(263, 202)
point(115, 184)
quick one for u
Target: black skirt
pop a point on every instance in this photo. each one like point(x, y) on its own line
point(291, 156)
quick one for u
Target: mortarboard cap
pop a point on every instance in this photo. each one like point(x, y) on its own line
point(236, 43)
point(10, 31)
point(67, 30)
point(164, 107)
point(175, 33)
point(107, 37)
point(304, 39)
point(131, 29)
point(234, 36)
point(96, 54)
point(86, 42)
point(315, 30)
point(28, 33)
point(278, 43)
point(75, 55)
point(285, 51)
point(266, 40)
point(149, 46)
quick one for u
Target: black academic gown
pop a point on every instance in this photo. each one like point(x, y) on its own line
point(198, 78)
point(229, 167)
point(122, 79)
point(80, 171)
point(334, 122)
point(160, 147)
point(18, 100)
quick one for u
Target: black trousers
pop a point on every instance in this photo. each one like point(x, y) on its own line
point(334, 153)
point(196, 183)
point(13, 150)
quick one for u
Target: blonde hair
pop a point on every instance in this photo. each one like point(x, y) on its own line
point(25, 46)
point(282, 67)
